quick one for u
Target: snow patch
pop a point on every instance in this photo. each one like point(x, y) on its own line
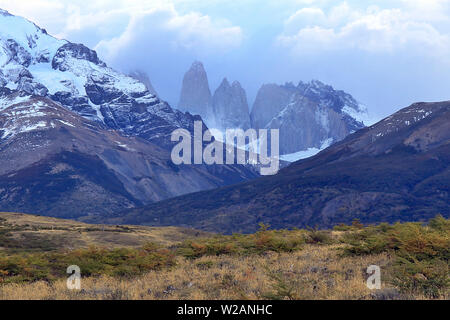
point(292, 157)
point(361, 115)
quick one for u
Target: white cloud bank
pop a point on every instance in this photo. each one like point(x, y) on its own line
point(413, 26)
point(111, 25)
point(192, 32)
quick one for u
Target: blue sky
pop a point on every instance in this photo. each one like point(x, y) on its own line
point(387, 54)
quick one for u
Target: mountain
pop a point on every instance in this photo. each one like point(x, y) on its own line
point(308, 115)
point(230, 106)
point(73, 75)
point(79, 138)
point(195, 95)
point(57, 163)
point(397, 169)
point(143, 77)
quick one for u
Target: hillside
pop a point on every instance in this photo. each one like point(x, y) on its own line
point(395, 170)
point(57, 163)
point(35, 233)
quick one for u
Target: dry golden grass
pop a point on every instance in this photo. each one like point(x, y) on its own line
point(191, 265)
point(316, 272)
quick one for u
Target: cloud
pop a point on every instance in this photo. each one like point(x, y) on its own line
point(167, 28)
point(304, 17)
point(111, 25)
point(371, 30)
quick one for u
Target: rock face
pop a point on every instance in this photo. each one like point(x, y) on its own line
point(55, 162)
point(270, 100)
point(230, 106)
point(143, 77)
point(195, 94)
point(395, 170)
point(307, 115)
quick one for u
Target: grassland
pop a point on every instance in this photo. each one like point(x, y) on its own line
point(129, 262)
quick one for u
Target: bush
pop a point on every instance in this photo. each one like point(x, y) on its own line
point(315, 236)
point(92, 262)
point(421, 253)
point(239, 244)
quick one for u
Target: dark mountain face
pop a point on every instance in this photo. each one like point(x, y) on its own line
point(55, 162)
point(397, 169)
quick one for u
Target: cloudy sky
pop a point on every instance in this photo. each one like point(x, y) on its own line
point(386, 53)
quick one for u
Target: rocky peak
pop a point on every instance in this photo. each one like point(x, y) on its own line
point(225, 84)
point(59, 163)
point(195, 93)
point(230, 106)
point(236, 84)
point(76, 51)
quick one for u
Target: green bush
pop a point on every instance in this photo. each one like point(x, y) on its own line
point(421, 253)
point(92, 262)
point(315, 236)
point(239, 244)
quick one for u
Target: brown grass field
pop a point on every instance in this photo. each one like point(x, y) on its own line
point(131, 262)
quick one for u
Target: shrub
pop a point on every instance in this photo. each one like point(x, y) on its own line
point(421, 253)
point(315, 236)
point(239, 244)
point(92, 262)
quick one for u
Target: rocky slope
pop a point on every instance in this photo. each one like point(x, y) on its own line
point(397, 169)
point(55, 162)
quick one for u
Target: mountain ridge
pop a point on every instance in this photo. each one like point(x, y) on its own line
point(381, 173)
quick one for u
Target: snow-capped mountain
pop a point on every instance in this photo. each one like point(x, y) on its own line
point(35, 62)
point(310, 116)
point(79, 138)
